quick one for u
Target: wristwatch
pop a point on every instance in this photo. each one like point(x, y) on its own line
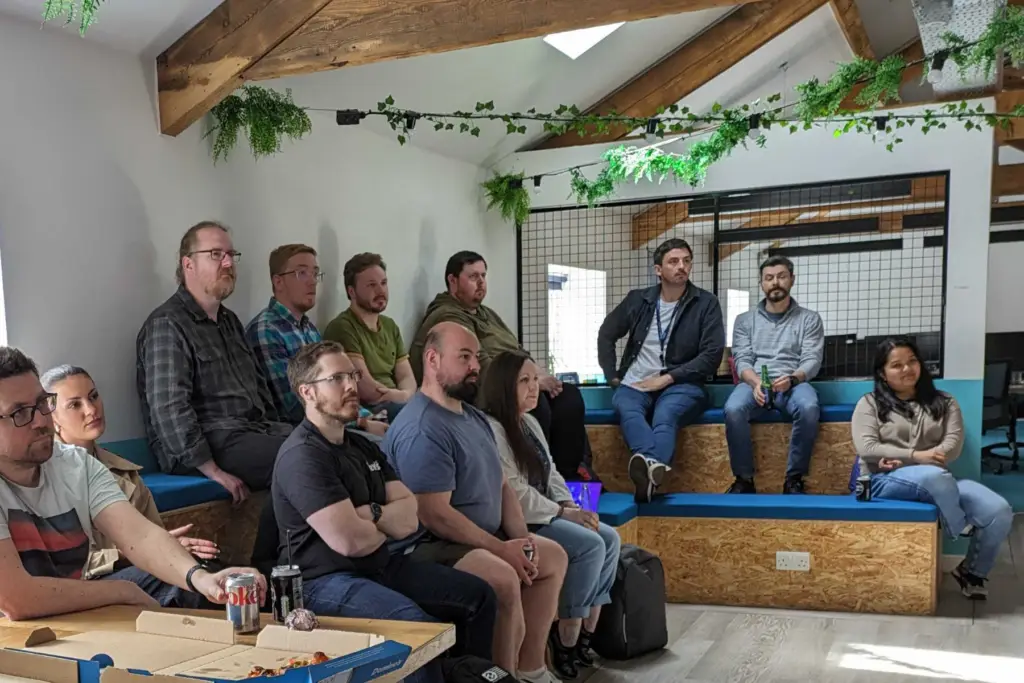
point(377, 511)
point(793, 380)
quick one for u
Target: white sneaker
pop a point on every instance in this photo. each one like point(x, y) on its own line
point(658, 472)
point(642, 477)
point(544, 677)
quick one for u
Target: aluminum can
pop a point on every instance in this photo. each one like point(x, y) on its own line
point(286, 590)
point(863, 488)
point(243, 602)
point(528, 551)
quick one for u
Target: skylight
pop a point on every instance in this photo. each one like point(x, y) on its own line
point(574, 43)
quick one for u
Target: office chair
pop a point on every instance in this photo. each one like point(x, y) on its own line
point(999, 411)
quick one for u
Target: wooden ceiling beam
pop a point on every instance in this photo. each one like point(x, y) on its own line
point(350, 32)
point(848, 16)
point(656, 221)
point(913, 74)
point(206, 64)
point(1006, 102)
point(694, 64)
point(1007, 180)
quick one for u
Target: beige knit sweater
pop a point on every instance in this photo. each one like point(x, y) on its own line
point(898, 437)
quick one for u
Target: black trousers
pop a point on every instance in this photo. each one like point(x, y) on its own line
point(561, 418)
point(247, 454)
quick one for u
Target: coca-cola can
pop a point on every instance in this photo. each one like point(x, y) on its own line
point(243, 603)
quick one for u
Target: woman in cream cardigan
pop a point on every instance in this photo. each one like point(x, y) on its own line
point(510, 392)
point(906, 433)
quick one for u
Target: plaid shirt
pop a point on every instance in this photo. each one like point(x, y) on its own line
point(195, 375)
point(275, 336)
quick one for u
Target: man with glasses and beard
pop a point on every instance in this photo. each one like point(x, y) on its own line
point(206, 404)
point(338, 502)
point(54, 499)
point(371, 339)
point(444, 450)
point(790, 341)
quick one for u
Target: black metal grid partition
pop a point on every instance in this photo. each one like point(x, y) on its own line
point(869, 257)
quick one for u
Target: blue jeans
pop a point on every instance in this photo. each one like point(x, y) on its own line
point(413, 591)
point(959, 502)
point(164, 593)
point(593, 562)
point(800, 403)
point(674, 407)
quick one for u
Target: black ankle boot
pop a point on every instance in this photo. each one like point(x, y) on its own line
point(563, 659)
point(584, 655)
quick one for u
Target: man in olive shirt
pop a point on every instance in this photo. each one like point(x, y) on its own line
point(560, 409)
point(373, 341)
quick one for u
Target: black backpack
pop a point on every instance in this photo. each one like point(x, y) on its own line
point(634, 623)
point(470, 669)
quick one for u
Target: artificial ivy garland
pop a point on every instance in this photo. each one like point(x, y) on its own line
point(85, 10)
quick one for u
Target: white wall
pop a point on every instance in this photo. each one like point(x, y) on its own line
point(1004, 312)
point(92, 204)
point(816, 156)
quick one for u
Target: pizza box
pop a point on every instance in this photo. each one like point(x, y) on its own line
point(167, 648)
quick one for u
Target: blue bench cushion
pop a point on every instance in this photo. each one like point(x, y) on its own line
point(615, 509)
point(842, 412)
point(136, 451)
point(777, 506)
point(173, 491)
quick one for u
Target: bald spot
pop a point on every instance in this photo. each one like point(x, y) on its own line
point(449, 337)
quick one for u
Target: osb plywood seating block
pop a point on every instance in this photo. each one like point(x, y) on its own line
point(627, 532)
point(701, 463)
point(884, 568)
point(232, 529)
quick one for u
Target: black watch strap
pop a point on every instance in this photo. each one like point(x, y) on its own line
point(188, 577)
point(377, 511)
point(794, 380)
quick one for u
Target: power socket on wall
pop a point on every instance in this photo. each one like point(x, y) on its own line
point(793, 562)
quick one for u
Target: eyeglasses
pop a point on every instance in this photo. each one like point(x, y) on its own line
point(24, 416)
point(303, 275)
point(219, 254)
point(337, 378)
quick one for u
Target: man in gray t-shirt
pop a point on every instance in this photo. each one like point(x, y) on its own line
point(444, 451)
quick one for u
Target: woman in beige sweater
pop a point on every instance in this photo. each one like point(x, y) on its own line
point(906, 433)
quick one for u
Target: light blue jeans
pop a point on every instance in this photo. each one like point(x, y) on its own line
point(800, 403)
point(593, 562)
point(959, 502)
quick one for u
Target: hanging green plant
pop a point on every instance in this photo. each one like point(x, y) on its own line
point(85, 10)
point(266, 116)
point(506, 192)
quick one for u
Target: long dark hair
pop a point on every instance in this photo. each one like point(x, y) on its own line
point(499, 400)
point(931, 400)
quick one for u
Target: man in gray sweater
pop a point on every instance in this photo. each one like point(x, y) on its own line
point(789, 340)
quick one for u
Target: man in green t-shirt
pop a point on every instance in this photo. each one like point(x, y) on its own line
point(373, 341)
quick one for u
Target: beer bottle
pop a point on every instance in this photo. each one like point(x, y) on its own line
point(766, 387)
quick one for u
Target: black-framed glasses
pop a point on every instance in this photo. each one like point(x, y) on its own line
point(303, 275)
point(339, 377)
point(219, 254)
point(24, 415)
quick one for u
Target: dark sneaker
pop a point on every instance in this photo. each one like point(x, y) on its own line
point(794, 485)
point(584, 655)
point(742, 485)
point(563, 659)
point(973, 587)
point(640, 475)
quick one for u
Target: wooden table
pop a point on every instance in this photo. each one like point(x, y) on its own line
point(427, 641)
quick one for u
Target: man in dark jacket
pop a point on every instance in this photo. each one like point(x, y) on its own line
point(676, 338)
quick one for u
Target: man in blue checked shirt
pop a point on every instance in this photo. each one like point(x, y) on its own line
point(282, 328)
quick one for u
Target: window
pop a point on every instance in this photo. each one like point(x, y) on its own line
point(574, 43)
point(576, 309)
point(737, 302)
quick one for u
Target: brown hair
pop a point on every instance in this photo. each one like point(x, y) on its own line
point(500, 400)
point(358, 264)
point(279, 257)
point(188, 244)
point(302, 366)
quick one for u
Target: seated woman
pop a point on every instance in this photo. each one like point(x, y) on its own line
point(906, 433)
point(79, 421)
point(509, 393)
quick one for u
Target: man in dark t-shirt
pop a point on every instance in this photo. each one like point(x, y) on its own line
point(338, 502)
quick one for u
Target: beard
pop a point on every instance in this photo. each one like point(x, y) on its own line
point(40, 450)
point(338, 412)
point(777, 294)
point(372, 305)
point(464, 390)
point(223, 286)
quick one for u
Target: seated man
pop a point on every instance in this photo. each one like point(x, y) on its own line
point(54, 500)
point(675, 343)
point(372, 340)
point(444, 450)
point(337, 502)
point(205, 402)
point(790, 341)
point(560, 409)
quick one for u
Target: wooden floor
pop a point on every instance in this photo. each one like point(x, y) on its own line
point(967, 641)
